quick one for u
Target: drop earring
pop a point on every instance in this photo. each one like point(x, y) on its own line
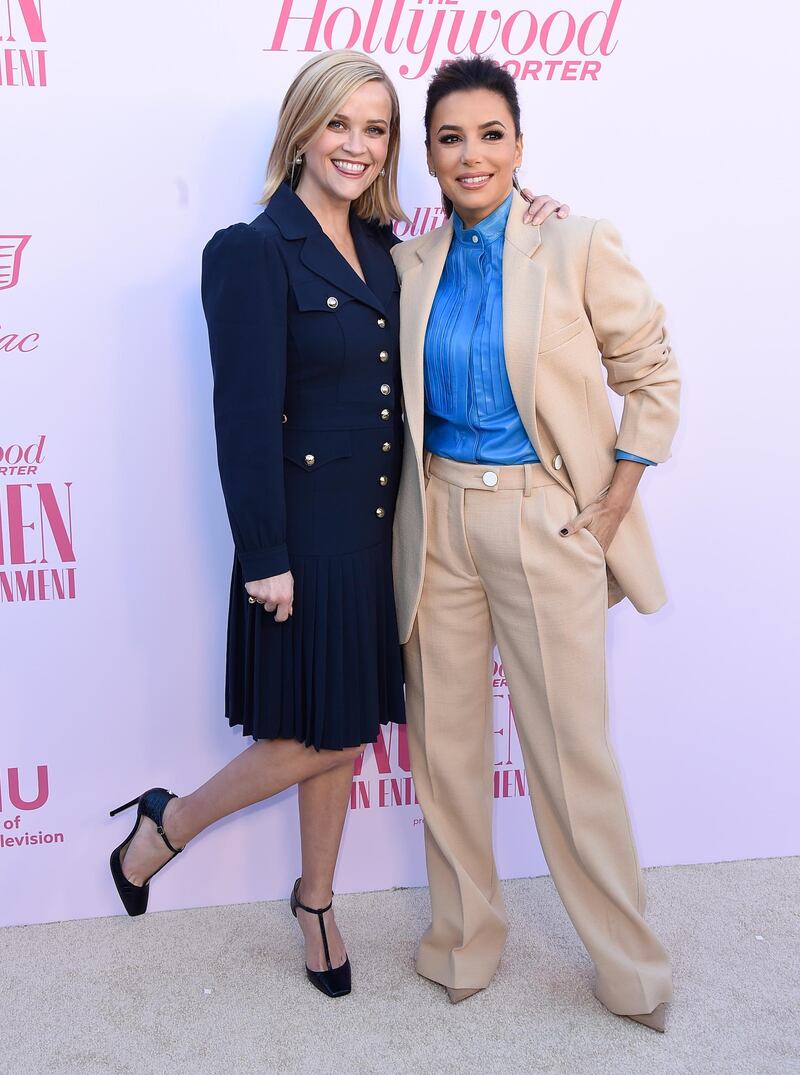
point(298, 160)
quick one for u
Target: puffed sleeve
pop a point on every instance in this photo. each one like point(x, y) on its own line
point(628, 323)
point(245, 292)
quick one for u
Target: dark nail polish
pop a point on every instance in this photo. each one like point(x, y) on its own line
point(564, 532)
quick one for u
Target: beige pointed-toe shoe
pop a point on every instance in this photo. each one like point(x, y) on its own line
point(457, 995)
point(656, 1019)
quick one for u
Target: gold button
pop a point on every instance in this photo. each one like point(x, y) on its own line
point(380, 512)
point(383, 479)
point(384, 356)
point(310, 460)
point(385, 389)
point(386, 446)
point(285, 419)
point(332, 302)
point(381, 322)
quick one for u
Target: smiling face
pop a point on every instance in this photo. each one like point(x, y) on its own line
point(348, 156)
point(474, 150)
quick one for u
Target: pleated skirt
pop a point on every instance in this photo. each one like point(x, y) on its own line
point(332, 673)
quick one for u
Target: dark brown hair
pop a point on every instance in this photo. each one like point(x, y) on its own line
point(475, 73)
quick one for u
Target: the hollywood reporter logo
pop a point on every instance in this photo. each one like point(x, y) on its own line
point(13, 798)
point(37, 552)
point(543, 45)
point(22, 59)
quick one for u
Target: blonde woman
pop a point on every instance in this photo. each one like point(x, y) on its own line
point(303, 317)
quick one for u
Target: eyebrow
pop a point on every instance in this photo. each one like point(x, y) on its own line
point(343, 115)
point(481, 127)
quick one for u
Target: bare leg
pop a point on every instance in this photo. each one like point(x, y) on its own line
point(260, 771)
point(323, 801)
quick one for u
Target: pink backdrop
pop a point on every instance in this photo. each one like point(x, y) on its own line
point(137, 133)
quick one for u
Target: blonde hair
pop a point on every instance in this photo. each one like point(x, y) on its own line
point(317, 92)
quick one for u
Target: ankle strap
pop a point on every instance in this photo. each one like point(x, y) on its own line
point(163, 835)
point(313, 910)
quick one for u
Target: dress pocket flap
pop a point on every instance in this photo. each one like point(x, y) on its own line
point(312, 449)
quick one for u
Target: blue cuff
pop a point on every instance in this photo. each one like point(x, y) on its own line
point(635, 458)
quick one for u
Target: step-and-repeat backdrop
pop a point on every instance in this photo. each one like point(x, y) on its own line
point(129, 135)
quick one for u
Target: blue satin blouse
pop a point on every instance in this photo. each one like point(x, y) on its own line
point(470, 413)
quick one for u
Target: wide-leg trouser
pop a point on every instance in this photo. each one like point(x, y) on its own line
point(496, 565)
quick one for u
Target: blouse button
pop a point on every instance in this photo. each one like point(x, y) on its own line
point(474, 238)
point(384, 356)
point(332, 302)
point(385, 389)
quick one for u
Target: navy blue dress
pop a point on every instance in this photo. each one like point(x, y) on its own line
point(309, 441)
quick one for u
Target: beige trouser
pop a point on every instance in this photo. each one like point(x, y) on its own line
point(496, 564)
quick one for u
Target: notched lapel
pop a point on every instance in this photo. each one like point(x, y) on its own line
point(295, 221)
point(418, 291)
point(321, 257)
point(524, 282)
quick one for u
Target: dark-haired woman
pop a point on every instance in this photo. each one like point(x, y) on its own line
point(518, 520)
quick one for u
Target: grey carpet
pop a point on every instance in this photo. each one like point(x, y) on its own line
point(220, 991)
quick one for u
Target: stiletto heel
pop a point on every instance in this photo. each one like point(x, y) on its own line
point(151, 805)
point(335, 981)
point(127, 806)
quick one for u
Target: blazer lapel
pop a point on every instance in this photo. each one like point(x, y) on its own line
point(318, 253)
point(420, 282)
point(523, 303)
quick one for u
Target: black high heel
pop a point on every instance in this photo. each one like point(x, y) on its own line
point(151, 805)
point(335, 981)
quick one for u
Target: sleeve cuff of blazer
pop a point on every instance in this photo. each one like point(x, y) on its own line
point(635, 458)
point(264, 564)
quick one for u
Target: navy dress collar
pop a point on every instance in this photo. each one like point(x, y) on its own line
point(296, 222)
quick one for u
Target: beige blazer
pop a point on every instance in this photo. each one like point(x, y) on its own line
point(570, 298)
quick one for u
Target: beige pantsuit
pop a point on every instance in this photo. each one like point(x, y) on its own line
point(479, 561)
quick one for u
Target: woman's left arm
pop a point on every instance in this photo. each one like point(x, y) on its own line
point(628, 324)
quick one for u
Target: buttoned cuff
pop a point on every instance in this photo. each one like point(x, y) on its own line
point(635, 458)
point(264, 564)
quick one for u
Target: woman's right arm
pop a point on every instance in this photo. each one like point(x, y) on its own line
point(245, 295)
